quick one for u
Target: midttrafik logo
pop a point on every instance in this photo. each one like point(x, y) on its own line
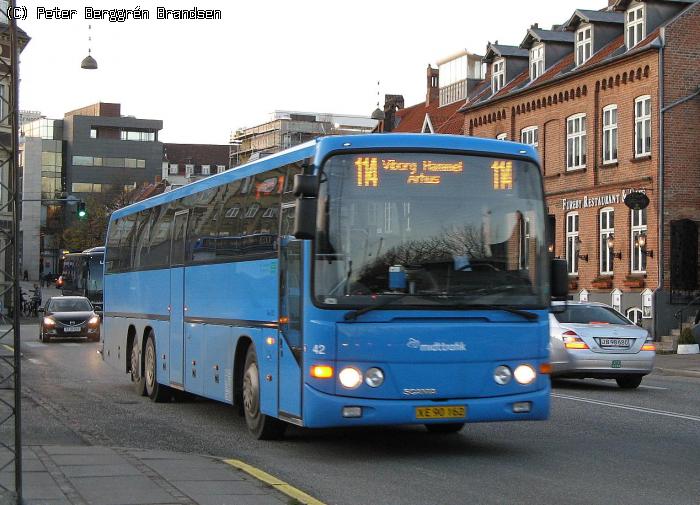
point(436, 346)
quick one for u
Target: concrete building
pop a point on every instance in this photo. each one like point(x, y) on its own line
point(289, 128)
point(185, 163)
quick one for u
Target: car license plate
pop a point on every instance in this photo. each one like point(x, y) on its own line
point(451, 412)
point(616, 363)
point(71, 329)
point(614, 342)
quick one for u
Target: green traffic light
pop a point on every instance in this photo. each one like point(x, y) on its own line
point(82, 211)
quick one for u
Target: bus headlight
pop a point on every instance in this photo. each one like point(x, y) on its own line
point(350, 377)
point(502, 375)
point(525, 374)
point(374, 377)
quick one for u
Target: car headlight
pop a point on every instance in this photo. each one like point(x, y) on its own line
point(49, 322)
point(374, 377)
point(524, 374)
point(502, 375)
point(94, 320)
point(350, 377)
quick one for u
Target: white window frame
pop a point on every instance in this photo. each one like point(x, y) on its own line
point(174, 169)
point(572, 235)
point(206, 169)
point(530, 136)
point(642, 126)
point(635, 28)
point(616, 300)
point(576, 142)
point(220, 168)
point(638, 258)
point(536, 61)
point(502, 136)
point(584, 44)
point(635, 310)
point(189, 169)
point(610, 135)
point(498, 79)
point(606, 222)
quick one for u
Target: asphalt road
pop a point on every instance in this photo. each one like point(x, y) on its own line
point(602, 445)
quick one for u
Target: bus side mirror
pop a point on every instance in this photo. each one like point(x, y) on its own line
point(559, 278)
point(305, 218)
point(305, 185)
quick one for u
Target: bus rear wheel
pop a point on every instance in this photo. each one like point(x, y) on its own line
point(263, 427)
point(444, 428)
point(155, 391)
point(136, 375)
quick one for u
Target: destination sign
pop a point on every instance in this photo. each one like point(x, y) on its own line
point(369, 170)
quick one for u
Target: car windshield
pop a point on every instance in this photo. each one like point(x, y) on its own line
point(590, 314)
point(446, 228)
point(70, 305)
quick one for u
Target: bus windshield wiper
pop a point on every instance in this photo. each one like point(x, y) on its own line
point(352, 315)
point(530, 316)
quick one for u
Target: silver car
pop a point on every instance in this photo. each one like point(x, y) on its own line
point(594, 340)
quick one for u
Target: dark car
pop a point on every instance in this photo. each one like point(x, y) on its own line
point(69, 317)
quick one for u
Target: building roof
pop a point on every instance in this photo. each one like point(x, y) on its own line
point(445, 119)
point(622, 4)
point(538, 35)
point(501, 51)
point(587, 16)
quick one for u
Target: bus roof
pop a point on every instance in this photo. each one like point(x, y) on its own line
point(323, 145)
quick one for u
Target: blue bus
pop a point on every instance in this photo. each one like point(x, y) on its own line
point(352, 280)
point(82, 275)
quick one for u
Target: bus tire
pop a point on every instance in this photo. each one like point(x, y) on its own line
point(136, 375)
point(155, 391)
point(263, 427)
point(444, 427)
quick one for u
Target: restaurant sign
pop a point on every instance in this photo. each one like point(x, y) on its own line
point(597, 201)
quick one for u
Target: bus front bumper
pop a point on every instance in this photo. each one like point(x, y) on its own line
point(322, 410)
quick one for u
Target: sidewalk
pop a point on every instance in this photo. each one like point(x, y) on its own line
point(686, 365)
point(94, 475)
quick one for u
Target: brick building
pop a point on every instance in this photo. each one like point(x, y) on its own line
point(185, 163)
point(609, 99)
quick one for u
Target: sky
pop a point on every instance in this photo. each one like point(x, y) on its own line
point(206, 78)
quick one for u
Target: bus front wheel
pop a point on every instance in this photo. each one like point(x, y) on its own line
point(263, 427)
point(155, 391)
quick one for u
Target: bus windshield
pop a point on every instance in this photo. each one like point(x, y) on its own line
point(95, 265)
point(438, 229)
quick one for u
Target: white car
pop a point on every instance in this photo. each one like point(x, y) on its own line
point(590, 339)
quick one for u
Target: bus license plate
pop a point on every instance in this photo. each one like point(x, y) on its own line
point(452, 412)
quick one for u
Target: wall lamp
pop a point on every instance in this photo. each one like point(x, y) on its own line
point(641, 242)
point(611, 246)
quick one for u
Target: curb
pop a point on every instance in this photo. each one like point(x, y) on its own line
point(297, 495)
point(678, 372)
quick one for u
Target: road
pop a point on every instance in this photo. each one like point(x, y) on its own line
point(602, 445)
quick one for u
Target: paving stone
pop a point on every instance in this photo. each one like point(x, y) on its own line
point(196, 488)
point(238, 499)
point(99, 470)
point(180, 470)
point(78, 449)
point(144, 454)
point(88, 459)
point(35, 486)
point(130, 490)
point(44, 501)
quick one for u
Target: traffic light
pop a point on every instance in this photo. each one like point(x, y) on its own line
point(82, 211)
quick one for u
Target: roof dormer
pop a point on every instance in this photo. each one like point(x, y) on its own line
point(642, 17)
point(455, 74)
point(592, 31)
point(506, 63)
point(545, 47)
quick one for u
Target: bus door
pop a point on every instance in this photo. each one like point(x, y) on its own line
point(291, 342)
point(177, 298)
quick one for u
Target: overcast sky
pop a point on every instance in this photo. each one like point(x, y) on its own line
point(204, 79)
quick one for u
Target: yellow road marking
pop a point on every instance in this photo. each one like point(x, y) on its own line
point(280, 485)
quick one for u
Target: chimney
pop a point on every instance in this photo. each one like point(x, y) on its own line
point(433, 85)
point(611, 4)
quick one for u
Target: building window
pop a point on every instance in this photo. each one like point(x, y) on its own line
point(576, 142)
point(607, 233)
point(205, 170)
point(530, 136)
point(584, 44)
point(639, 241)
point(174, 169)
point(499, 75)
point(502, 136)
point(138, 136)
point(189, 170)
point(572, 242)
point(634, 26)
point(220, 168)
point(536, 61)
point(610, 134)
point(84, 161)
point(642, 126)
point(93, 133)
point(635, 315)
